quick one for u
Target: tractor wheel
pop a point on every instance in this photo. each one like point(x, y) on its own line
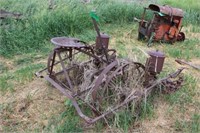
point(181, 36)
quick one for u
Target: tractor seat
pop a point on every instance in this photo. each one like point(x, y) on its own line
point(67, 42)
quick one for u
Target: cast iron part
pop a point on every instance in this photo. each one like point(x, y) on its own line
point(155, 62)
point(153, 66)
point(104, 39)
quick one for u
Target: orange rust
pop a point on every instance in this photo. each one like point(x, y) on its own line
point(166, 24)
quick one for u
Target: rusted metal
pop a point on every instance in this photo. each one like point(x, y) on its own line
point(153, 66)
point(69, 95)
point(166, 9)
point(73, 63)
point(101, 77)
point(67, 42)
point(104, 76)
point(155, 62)
point(165, 25)
point(187, 63)
point(117, 71)
point(101, 41)
point(171, 86)
point(105, 41)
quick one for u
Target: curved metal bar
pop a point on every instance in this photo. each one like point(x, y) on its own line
point(108, 79)
point(51, 61)
point(101, 77)
point(67, 94)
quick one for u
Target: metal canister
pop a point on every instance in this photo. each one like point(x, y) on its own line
point(155, 61)
point(104, 39)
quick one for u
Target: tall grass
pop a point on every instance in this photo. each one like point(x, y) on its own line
point(68, 18)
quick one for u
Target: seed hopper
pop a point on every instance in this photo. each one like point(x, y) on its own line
point(93, 78)
point(165, 25)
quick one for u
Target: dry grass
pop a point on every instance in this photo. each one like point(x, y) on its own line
point(30, 107)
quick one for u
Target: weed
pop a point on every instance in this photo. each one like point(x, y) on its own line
point(3, 68)
point(26, 74)
point(121, 49)
point(195, 124)
point(147, 108)
point(68, 121)
point(124, 120)
point(192, 126)
point(6, 82)
point(175, 52)
point(39, 24)
point(22, 75)
point(195, 29)
point(87, 36)
point(22, 61)
point(186, 50)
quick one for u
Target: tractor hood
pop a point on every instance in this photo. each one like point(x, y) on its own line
point(167, 10)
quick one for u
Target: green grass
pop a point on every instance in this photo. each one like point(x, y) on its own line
point(192, 126)
point(5, 116)
point(22, 61)
point(184, 50)
point(179, 101)
point(26, 74)
point(3, 68)
point(123, 120)
point(6, 82)
point(147, 108)
point(67, 121)
point(39, 24)
point(70, 122)
point(20, 76)
point(30, 58)
point(121, 50)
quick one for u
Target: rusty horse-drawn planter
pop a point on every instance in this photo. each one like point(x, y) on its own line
point(91, 76)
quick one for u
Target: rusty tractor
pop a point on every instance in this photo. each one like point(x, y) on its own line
point(91, 76)
point(165, 25)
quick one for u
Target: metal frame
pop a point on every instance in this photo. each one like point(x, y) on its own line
point(113, 67)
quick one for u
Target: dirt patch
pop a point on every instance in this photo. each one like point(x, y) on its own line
point(31, 106)
point(166, 117)
point(162, 122)
point(7, 62)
